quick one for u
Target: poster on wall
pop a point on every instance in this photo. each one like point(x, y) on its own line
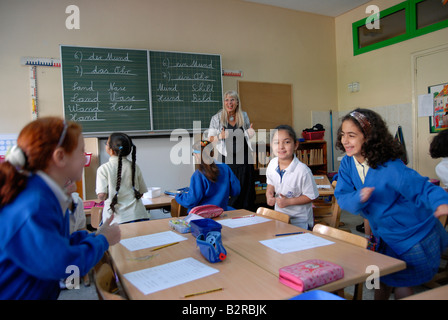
point(439, 121)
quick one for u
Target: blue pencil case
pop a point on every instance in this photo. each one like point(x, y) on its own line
point(211, 246)
point(204, 226)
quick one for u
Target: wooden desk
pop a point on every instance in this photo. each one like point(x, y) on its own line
point(440, 293)
point(239, 278)
point(354, 260)
point(323, 180)
point(251, 269)
point(157, 202)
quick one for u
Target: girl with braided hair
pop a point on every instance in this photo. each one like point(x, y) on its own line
point(119, 182)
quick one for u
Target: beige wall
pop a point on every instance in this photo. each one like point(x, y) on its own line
point(268, 44)
point(385, 75)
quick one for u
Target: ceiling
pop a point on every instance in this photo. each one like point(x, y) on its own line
point(332, 8)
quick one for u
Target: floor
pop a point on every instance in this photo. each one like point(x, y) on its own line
point(89, 292)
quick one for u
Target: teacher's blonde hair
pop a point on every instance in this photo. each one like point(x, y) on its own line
point(238, 112)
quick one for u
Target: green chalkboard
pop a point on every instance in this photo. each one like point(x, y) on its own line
point(106, 90)
point(141, 91)
point(185, 87)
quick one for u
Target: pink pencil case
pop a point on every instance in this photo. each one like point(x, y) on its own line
point(310, 274)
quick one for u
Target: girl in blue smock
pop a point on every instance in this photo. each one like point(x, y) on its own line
point(212, 183)
point(36, 247)
point(401, 206)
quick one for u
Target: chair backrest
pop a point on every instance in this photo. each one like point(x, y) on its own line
point(96, 215)
point(341, 235)
point(330, 214)
point(273, 214)
point(105, 283)
point(177, 210)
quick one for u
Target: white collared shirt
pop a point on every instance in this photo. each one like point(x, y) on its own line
point(63, 198)
point(296, 180)
point(362, 169)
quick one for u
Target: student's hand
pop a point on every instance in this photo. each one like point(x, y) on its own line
point(366, 193)
point(270, 201)
point(282, 201)
point(111, 232)
point(442, 210)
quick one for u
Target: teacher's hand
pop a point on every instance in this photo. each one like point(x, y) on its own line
point(251, 131)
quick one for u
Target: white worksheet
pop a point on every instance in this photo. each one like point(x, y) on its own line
point(151, 240)
point(242, 222)
point(169, 275)
point(295, 243)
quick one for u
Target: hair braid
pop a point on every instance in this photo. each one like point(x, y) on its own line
point(117, 188)
point(137, 194)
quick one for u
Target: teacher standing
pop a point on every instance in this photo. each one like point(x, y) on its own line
point(231, 130)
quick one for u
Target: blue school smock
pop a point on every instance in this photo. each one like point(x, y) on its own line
point(401, 208)
point(36, 247)
point(202, 191)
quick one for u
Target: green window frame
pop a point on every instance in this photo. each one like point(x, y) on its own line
point(410, 10)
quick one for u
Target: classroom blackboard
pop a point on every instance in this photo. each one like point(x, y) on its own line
point(139, 91)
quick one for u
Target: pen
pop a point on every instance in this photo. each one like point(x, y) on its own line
point(167, 245)
point(287, 234)
point(202, 292)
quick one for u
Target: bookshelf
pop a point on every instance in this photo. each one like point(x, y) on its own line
point(313, 153)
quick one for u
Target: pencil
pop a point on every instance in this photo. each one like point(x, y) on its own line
point(202, 292)
point(167, 245)
point(287, 234)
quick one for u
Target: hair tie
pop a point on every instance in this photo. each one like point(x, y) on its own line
point(16, 157)
point(120, 147)
point(204, 143)
point(362, 120)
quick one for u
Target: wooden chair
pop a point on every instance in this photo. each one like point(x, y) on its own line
point(96, 215)
point(347, 237)
point(177, 210)
point(325, 213)
point(273, 214)
point(106, 285)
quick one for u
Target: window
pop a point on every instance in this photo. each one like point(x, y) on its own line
point(404, 21)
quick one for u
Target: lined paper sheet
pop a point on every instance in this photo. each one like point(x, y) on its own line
point(151, 240)
point(242, 222)
point(169, 275)
point(295, 243)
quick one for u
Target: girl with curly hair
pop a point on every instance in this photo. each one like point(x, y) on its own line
point(401, 206)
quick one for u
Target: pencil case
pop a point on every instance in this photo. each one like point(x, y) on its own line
point(204, 226)
point(211, 246)
point(310, 274)
point(180, 225)
point(207, 211)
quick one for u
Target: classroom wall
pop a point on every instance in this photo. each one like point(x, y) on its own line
point(267, 44)
point(386, 79)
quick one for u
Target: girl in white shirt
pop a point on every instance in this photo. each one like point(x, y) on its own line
point(291, 186)
point(439, 149)
point(120, 183)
